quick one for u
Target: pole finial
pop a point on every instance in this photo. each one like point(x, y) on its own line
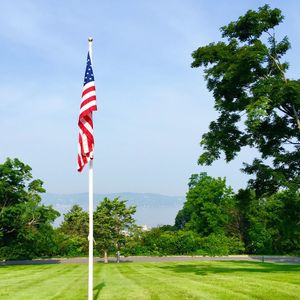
point(90, 39)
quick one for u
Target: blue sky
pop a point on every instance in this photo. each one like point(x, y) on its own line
point(153, 106)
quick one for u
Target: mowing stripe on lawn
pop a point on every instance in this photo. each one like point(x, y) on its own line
point(123, 286)
point(44, 280)
point(190, 288)
point(153, 281)
point(156, 285)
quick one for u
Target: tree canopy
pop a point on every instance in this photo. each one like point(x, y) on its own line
point(258, 105)
point(209, 206)
point(112, 219)
point(25, 224)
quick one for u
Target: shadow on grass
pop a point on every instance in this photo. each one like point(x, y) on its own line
point(98, 289)
point(231, 267)
point(30, 262)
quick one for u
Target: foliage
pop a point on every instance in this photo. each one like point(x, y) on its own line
point(75, 222)
point(73, 232)
point(112, 221)
point(229, 223)
point(211, 205)
point(70, 245)
point(25, 224)
point(258, 106)
point(288, 220)
point(182, 242)
point(183, 216)
point(159, 241)
point(219, 244)
point(270, 224)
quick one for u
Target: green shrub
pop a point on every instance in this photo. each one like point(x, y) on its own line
point(219, 244)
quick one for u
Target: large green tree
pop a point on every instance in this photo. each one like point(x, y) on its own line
point(76, 222)
point(112, 219)
point(25, 224)
point(258, 105)
point(209, 207)
point(270, 225)
point(73, 232)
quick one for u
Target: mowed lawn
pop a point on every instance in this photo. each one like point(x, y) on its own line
point(162, 280)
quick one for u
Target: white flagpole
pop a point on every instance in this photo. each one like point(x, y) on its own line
point(91, 208)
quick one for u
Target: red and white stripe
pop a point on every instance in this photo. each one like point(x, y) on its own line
point(85, 123)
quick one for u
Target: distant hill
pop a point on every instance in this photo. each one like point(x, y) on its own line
point(152, 209)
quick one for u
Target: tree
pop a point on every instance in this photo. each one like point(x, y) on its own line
point(258, 106)
point(288, 218)
point(211, 205)
point(270, 225)
point(74, 230)
point(112, 219)
point(25, 224)
point(76, 222)
point(183, 216)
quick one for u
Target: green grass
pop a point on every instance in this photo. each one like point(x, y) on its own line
point(180, 280)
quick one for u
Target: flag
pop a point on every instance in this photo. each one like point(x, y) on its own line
point(85, 122)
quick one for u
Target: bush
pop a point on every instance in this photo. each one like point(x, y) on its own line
point(219, 244)
point(70, 246)
point(13, 252)
point(159, 242)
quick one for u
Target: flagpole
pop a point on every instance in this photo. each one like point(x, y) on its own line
point(91, 208)
point(91, 238)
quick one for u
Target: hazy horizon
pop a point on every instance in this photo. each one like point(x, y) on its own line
point(151, 209)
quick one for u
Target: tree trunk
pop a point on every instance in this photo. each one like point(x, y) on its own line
point(296, 116)
point(105, 257)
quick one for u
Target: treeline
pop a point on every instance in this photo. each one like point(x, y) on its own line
point(213, 221)
point(26, 229)
point(217, 221)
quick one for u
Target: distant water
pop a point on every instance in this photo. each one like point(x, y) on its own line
point(152, 209)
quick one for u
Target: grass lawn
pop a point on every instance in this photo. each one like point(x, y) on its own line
point(163, 280)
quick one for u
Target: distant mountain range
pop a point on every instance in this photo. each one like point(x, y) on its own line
point(152, 209)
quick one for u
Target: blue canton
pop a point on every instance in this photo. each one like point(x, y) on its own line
point(89, 75)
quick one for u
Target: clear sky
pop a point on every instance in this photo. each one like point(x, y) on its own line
point(153, 106)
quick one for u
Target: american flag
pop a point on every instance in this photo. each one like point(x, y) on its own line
point(85, 122)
